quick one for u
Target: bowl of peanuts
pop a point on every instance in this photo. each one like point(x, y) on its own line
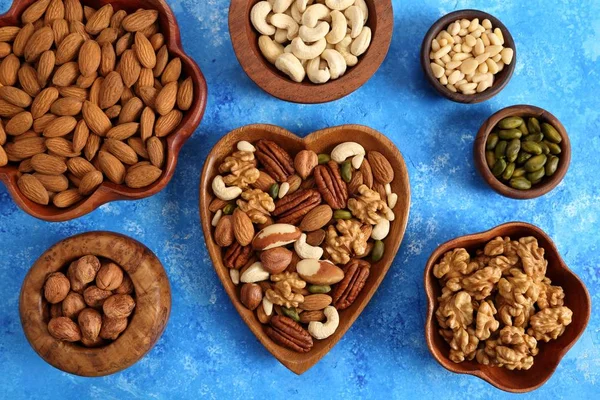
point(468, 56)
point(97, 99)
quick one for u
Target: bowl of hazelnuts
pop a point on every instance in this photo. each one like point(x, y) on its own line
point(95, 303)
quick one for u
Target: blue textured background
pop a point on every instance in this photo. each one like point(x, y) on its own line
point(207, 350)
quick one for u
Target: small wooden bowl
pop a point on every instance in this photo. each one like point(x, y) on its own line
point(545, 363)
point(500, 80)
point(152, 294)
point(109, 191)
point(547, 184)
point(321, 141)
point(245, 43)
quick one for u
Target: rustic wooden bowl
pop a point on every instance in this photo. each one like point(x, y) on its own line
point(321, 141)
point(245, 43)
point(109, 191)
point(547, 184)
point(500, 80)
point(577, 299)
point(153, 304)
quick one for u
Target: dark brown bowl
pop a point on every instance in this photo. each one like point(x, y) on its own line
point(245, 43)
point(545, 363)
point(109, 191)
point(547, 184)
point(500, 80)
point(153, 304)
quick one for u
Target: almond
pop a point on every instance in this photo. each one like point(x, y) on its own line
point(15, 96)
point(42, 122)
point(95, 90)
point(90, 182)
point(22, 38)
point(80, 136)
point(367, 173)
point(147, 123)
point(59, 127)
point(355, 182)
point(172, 71)
point(92, 146)
point(111, 90)
point(317, 218)
point(315, 302)
point(39, 42)
point(33, 189)
point(2, 135)
point(66, 74)
point(131, 111)
point(315, 238)
point(28, 80)
point(55, 10)
point(144, 51)
point(25, 148)
point(34, 11)
point(242, 227)
point(95, 119)
point(84, 82)
point(162, 58)
point(146, 78)
point(45, 67)
point(310, 316)
point(79, 27)
point(67, 198)
point(19, 124)
point(67, 106)
point(167, 123)
point(108, 59)
point(113, 111)
point(224, 235)
point(121, 150)
point(139, 20)
point(137, 144)
point(9, 33)
point(99, 20)
point(264, 182)
point(108, 35)
point(127, 95)
point(73, 10)
point(156, 151)
point(276, 260)
point(53, 183)
point(112, 167)
point(48, 164)
point(142, 176)
point(123, 43)
point(157, 41)
point(148, 95)
point(61, 147)
point(73, 91)
point(8, 110)
point(166, 98)
point(381, 167)
point(89, 58)
point(185, 94)
point(3, 157)
point(117, 19)
point(79, 166)
point(129, 68)
point(60, 27)
point(9, 69)
point(63, 328)
point(123, 131)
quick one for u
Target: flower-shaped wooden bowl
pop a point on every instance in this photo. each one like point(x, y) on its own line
point(545, 363)
point(321, 142)
point(152, 294)
point(109, 191)
point(245, 43)
point(500, 80)
point(547, 184)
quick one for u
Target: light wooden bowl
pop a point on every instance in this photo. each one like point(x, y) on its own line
point(245, 43)
point(152, 295)
point(547, 184)
point(320, 141)
point(109, 191)
point(545, 363)
point(500, 80)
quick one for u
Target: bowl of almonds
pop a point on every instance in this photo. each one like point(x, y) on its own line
point(503, 306)
point(95, 303)
point(97, 99)
point(301, 232)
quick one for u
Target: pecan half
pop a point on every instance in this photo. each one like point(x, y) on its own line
point(293, 207)
point(286, 332)
point(330, 184)
point(356, 273)
point(237, 256)
point(276, 160)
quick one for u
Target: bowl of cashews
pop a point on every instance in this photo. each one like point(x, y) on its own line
point(310, 51)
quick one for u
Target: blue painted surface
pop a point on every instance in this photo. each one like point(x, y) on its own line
point(207, 350)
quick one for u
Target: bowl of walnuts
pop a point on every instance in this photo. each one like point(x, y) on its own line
point(96, 100)
point(95, 303)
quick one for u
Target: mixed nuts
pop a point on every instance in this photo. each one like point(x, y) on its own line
point(300, 233)
point(87, 95)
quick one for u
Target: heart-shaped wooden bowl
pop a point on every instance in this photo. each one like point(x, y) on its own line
point(152, 294)
point(109, 191)
point(245, 44)
point(321, 142)
point(577, 299)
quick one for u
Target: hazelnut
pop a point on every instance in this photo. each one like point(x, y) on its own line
point(86, 268)
point(94, 296)
point(126, 286)
point(112, 327)
point(251, 295)
point(98, 342)
point(109, 277)
point(276, 260)
point(90, 322)
point(72, 305)
point(63, 328)
point(56, 288)
point(305, 162)
point(118, 306)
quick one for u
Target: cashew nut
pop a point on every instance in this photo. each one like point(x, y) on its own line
point(310, 35)
point(291, 66)
point(267, 306)
point(392, 200)
point(347, 149)
point(234, 274)
point(223, 192)
point(258, 16)
point(217, 217)
point(306, 251)
point(343, 48)
point(362, 42)
point(320, 330)
point(244, 145)
point(315, 73)
point(358, 160)
point(280, 6)
point(254, 273)
point(355, 19)
point(284, 21)
point(335, 61)
point(381, 230)
point(301, 4)
point(313, 14)
point(296, 13)
point(363, 7)
point(339, 4)
point(270, 49)
point(280, 36)
point(339, 25)
point(307, 52)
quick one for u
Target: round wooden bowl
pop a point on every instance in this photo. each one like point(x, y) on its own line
point(547, 184)
point(500, 80)
point(245, 43)
point(109, 191)
point(152, 295)
point(545, 363)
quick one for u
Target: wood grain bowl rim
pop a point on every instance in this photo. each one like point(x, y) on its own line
point(500, 80)
point(480, 371)
point(547, 184)
point(109, 191)
point(296, 362)
point(150, 317)
point(272, 81)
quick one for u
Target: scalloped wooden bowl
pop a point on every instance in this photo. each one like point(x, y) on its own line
point(320, 141)
point(109, 191)
point(577, 299)
point(245, 44)
point(152, 294)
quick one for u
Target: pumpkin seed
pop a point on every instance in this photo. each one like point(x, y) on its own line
point(347, 171)
point(378, 250)
point(274, 190)
point(324, 159)
point(342, 214)
point(319, 289)
point(551, 133)
point(536, 163)
point(228, 209)
point(510, 123)
point(291, 313)
point(491, 142)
